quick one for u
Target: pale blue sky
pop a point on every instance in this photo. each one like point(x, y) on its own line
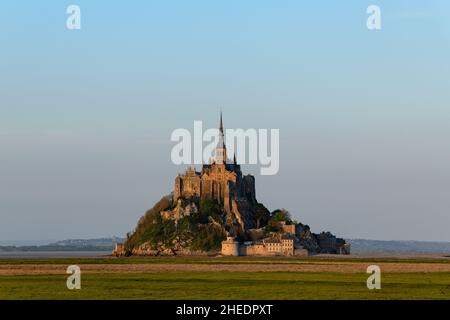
point(86, 116)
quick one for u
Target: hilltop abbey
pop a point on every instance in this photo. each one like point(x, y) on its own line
point(222, 180)
point(184, 223)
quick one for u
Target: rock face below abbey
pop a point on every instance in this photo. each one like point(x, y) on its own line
point(215, 211)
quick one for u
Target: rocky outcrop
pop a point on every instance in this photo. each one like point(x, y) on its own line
point(181, 210)
point(205, 206)
point(147, 249)
point(307, 239)
point(242, 210)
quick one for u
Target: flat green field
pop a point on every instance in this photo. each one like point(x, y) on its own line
point(27, 279)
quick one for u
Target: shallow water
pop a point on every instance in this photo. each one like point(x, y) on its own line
point(53, 254)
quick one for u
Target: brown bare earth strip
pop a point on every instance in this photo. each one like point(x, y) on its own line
point(160, 268)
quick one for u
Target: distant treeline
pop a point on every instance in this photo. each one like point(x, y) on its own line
point(101, 244)
point(55, 248)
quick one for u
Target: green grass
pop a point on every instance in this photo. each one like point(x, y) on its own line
point(228, 285)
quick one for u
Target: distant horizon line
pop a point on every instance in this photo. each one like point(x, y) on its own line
point(48, 241)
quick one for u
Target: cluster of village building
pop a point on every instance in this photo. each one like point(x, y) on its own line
point(281, 244)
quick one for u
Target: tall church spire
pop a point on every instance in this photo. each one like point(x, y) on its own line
point(221, 123)
point(221, 150)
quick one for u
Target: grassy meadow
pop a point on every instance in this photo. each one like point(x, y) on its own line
point(123, 279)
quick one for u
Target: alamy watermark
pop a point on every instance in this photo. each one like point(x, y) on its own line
point(374, 20)
point(74, 280)
point(374, 280)
point(249, 146)
point(73, 21)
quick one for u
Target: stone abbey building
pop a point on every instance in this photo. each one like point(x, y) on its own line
point(222, 180)
point(251, 229)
